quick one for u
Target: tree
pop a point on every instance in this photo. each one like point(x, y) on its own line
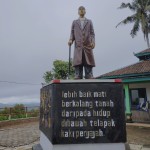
point(48, 76)
point(141, 8)
point(59, 71)
point(18, 109)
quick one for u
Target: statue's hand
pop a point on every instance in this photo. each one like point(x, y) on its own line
point(92, 45)
point(70, 42)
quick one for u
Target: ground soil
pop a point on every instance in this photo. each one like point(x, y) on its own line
point(138, 135)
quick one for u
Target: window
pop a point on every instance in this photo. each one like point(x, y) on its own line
point(137, 96)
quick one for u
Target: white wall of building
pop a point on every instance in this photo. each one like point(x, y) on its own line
point(142, 85)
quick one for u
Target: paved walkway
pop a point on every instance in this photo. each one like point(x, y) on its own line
point(23, 137)
point(138, 125)
point(19, 137)
point(139, 147)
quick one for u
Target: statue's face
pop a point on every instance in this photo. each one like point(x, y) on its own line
point(81, 12)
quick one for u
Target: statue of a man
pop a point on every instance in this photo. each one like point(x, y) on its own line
point(82, 33)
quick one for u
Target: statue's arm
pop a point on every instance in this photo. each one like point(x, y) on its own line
point(92, 33)
point(72, 32)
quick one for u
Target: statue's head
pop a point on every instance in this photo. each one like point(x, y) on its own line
point(81, 11)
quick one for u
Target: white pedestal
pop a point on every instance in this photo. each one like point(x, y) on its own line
point(46, 145)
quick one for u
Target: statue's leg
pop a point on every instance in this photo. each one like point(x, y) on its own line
point(78, 72)
point(88, 72)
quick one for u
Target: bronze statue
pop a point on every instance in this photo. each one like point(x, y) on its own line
point(82, 33)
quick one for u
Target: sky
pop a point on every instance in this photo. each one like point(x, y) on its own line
point(34, 33)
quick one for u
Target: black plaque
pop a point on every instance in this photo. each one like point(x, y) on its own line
point(73, 113)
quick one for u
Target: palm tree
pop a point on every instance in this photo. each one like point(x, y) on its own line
point(141, 17)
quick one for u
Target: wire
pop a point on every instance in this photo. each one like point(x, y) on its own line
point(14, 82)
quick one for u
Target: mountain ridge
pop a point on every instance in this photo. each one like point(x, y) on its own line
point(33, 104)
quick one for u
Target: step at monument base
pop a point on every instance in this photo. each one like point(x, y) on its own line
point(46, 145)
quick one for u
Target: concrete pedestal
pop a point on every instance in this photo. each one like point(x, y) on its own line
point(82, 115)
point(46, 145)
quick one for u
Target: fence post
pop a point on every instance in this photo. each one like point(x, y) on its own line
point(26, 112)
point(9, 118)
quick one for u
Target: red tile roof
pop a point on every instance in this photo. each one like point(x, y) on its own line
point(138, 68)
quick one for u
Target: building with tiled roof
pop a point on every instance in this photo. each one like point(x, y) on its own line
point(137, 69)
point(136, 80)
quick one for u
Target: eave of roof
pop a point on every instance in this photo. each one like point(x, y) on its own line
point(135, 80)
point(142, 54)
point(130, 79)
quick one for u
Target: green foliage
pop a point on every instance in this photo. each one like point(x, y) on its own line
point(5, 111)
point(141, 17)
point(48, 76)
point(18, 109)
point(16, 112)
point(59, 71)
point(17, 116)
point(3, 118)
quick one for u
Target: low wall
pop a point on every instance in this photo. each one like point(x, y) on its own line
point(140, 116)
point(17, 121)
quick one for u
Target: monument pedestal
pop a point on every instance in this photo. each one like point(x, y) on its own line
point(47, 145)
point(82, 114)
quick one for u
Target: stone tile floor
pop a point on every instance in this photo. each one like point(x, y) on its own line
point(19, 137)
point(24, 136)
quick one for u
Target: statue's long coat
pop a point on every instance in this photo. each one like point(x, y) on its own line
point(83, 39)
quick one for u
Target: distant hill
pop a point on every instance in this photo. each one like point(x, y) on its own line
point(5, 105)
point(2, 105)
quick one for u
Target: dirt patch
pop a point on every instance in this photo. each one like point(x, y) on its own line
point(138, 135)
point(19, 122)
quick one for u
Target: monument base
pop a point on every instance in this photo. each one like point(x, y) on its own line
point(46, 145)
point(82, 115)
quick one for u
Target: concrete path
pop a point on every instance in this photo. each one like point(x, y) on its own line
point(24, 136)
point(19, 137)
point(139, 147)
point(138, 125)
